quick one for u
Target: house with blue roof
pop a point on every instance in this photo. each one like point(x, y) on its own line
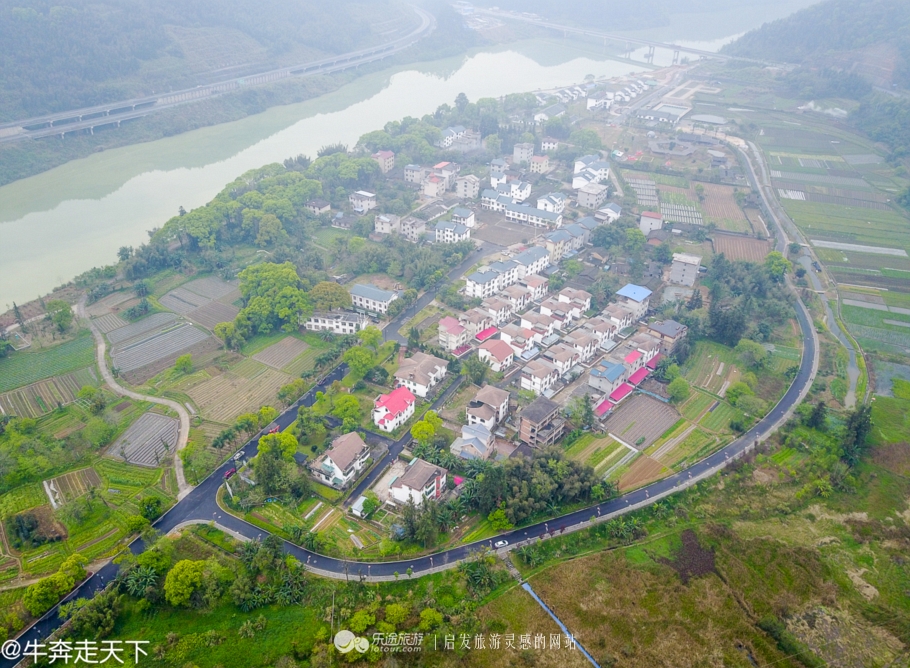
point(449, 232)
point(607, 376)
point(371, 299)
point(636, 298)
point(528, 215)
point(532, 261)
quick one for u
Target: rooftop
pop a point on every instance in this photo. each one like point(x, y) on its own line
point(540, 410)
point(396, 401)
point(419, 474)
point(485, 334)
point(634, 292)
point(639, 375)
point(621, 392)
point(345, 449)
point(498, 349)
point(669, 328)
point(371, 292)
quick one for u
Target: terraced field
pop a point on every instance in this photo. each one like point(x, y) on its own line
point(74, 484)
point(598, 453)
point(109, 322)
point(211, 287)
point(213, 313)
point(144, 442)
point(142, 351)
point(224, 397)
point(126, 479)
point(44, 396)
point(25, 368)
point(741, 248)
point(183, 301)
point(22, 498)
point(112, 303)
point(642, 471)
point(848, 224)
point(719, 419)
point(304, 362)
point(279, 355)
point(711, 366)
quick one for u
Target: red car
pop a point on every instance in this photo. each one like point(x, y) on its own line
point(229, 473)
point(274, 430)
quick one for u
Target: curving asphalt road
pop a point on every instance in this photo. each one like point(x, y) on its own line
point(200, 506)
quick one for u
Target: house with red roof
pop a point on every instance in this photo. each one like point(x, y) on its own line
point(497, 353)
point(650, 221)
point(392, 410)
point(452, 334)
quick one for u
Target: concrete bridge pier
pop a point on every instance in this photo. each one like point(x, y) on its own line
point(676, 57)
point(650, 56)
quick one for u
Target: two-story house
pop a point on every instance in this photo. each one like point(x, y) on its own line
point(392, 410)
point(463, 216)
point(489, 407)
point(340, 464)
point(421, 480)
point(499, 309)
point(371, 299)
point(475, 321)
point(337, 322)
point(584, 343)
point(497, 353)
point(563, 357)
point(670, 333)
point(449, 232)
point(452, 334)
point(475, 442)
point(553, 202)
point(362, 201)
point(538, 376)
point(537, 284)
point(531, 261)
point(420, 372)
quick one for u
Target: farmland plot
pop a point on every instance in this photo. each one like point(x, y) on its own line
point(24, 368)
point(74, 484)
point(223, 398)
point(711, 366)
point(154, 321)
point(210, 287)
point(144, 442)
point(279, 355)
point(213, 313)
point(44, 396)
point(109, 322)
point(183, 301)
point(112, 303)
point(643, 470)
point(139, 352)
point(735, 247)
point(641, 420)
point(22, 498)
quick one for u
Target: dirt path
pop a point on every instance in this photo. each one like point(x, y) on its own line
point(183, 486)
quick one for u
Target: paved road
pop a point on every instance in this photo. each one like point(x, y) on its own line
point(390, 331)
point(183, 486)
point(97, 116)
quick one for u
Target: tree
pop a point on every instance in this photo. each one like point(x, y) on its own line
point(396, 613)
point(737, 390)
point(266, 415)
point(283, 442)
point(413, 337)
point(61, 314)
point(856, 430)
point(663, 253)
point(182, 581)
point(291, 392)
point(499, 521)
point(378, 374)
point(232, 337)
point(818, 417)
point(695, 301)
point(475, 369)
point(752, 354)
point(371, 337)
point(92, 618)
point(678, 390)
point(777, 266)
point(328, 295)
point(582, 411)
point(423, 432)
point(371, 503)
point(430, 619)
point(347, 407)
point(40, 596)
point(635, 240)
point(184, 363)
point(359, 360)
point(586, 141)
point(150, 507)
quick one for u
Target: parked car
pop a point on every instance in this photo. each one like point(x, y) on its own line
point(274, 430)
point(230, 472)
point(500, 543)
point(238, 456)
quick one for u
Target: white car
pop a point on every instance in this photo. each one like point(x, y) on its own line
point(500, 543)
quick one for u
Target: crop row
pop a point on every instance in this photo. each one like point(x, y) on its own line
point(156, 347)
point(25, 368)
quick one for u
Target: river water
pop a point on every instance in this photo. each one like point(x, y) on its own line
point(58, 224)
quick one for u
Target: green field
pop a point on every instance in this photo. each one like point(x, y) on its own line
point(26, 496)
point(696, 405)
point(719, 419)
point(848, 224)
point(23, 368)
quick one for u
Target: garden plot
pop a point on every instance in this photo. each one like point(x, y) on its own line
point(109, 322)
point(25, 368)
point(279, 355)
point(154, 321)
point(211, 287)
point(679, 213)
point(213, 313)
point(598, 453)
point(42, 397)
point(156, 346)
point(641, 420)
point(72, 485)
point(643, 470)
point(144, 442)
point(223, 398)
point(113, 303)
point(741, 248)
point(183, 301)
point(824, 179)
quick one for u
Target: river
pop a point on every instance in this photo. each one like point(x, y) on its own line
point(58, 224)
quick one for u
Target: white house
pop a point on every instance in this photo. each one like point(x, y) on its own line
point(387, 223)
point(532, 261)
point(607, 376)
point(592, 195)
point(542, 325)
point(421, 480)
point(497, 353)
point(386, 160)
point(362, 201)
point(499, 309)
point(434, 186)
point(540, 164)
point(528, 215)
point(518, 295)
point(584, 343)
point(553, 202)
point(489, 407)
point(549, 144)
point(371, 299)
point(636, 297)
point(341, 463)
point(493, 200)
point(449, 135)
point(519, 191)
point(621, 315)
point(649, 222)
point(603, 329)
point(475, 321)
point(579, 300)
point(522, 153)
point(392, 410)
point(448, 232)
point(538, 285)
point(420, 372)
point(463, 216)
point(414, 174)
point(563, 357)
point(684, 269)
point(556, 244)
point(452, 334)
point(610, 213)
point(339, 322)
point(492, 279)
point(538, 376)
point(467, 187)
point(520, 339)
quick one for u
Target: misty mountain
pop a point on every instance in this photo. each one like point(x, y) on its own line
point(868, 38)
point(82, 52)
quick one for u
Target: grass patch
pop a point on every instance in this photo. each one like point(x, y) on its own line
point(24, 367)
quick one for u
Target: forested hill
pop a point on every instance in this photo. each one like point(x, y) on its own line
point(63, 54)
point(867, 37)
